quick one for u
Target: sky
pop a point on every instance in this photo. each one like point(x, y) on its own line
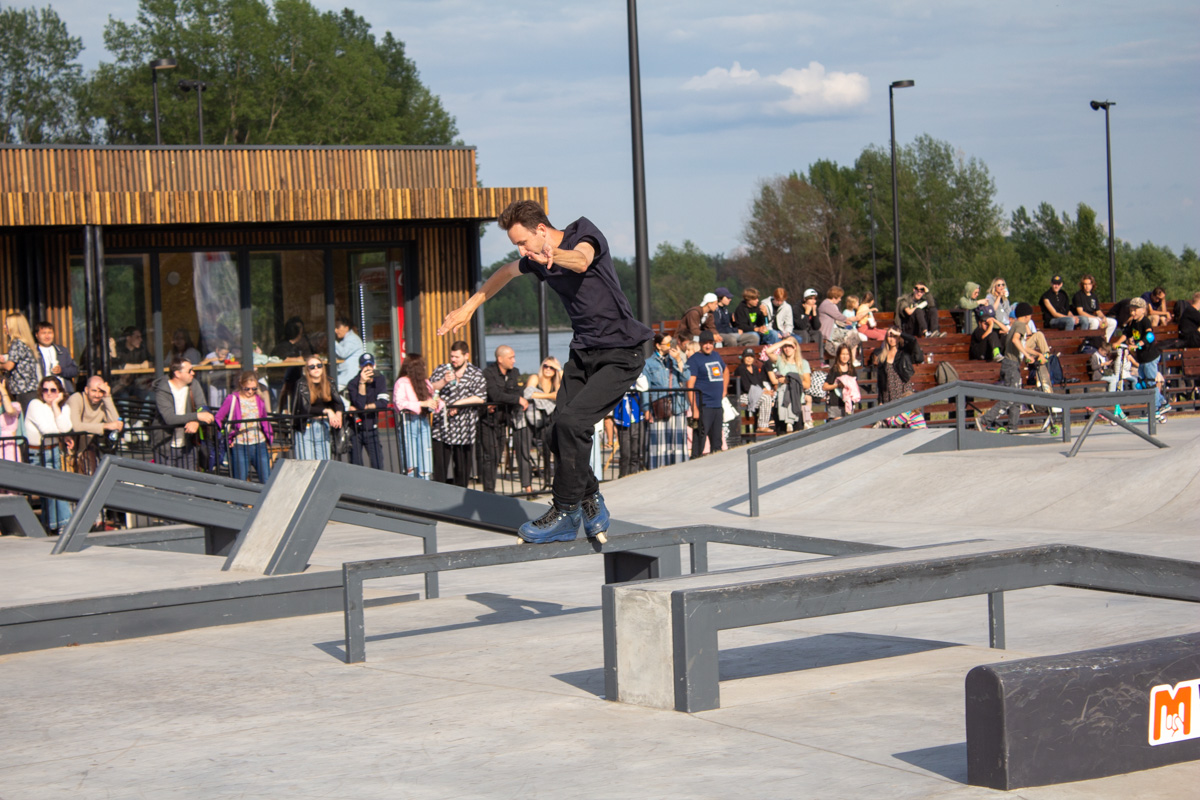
point(736, 93)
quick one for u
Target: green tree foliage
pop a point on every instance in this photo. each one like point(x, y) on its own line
point(277, 74)
point(40, 78)
point(679, 278)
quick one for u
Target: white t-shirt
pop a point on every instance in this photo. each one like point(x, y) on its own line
point(49, 358)
point(181, 395)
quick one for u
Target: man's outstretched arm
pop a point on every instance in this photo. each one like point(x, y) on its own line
point(460, 316)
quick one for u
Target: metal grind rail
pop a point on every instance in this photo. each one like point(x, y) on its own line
point(957, 391)
point(697, 537)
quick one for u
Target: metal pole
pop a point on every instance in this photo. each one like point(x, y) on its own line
point(1112, 254)
point(157, 129)
point(543, 325)
point(101, 293)
point(874, 265)
point(895, 196)
point(642, 246)
point(200, 111)
point(92, 308)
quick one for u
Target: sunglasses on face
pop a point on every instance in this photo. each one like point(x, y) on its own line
point(249, 388)
point(315, 367)
point(49, 390)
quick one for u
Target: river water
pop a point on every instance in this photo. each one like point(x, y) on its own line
point(525, 345)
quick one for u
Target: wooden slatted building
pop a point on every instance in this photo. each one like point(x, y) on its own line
point(237, 244)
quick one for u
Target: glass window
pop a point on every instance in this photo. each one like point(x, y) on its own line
point(127, 303)
point(202, 309)
point(367, 284)
point(287, 297)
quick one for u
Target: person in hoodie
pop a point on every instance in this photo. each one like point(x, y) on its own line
point(970, 301)
point(179, 412)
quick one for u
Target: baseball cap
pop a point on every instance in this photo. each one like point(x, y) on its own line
point(1056, 279)
point(365, 359)
point(810, 292)
point(749, 351)
point(1023, 310)
point(707, 336)
point(1137, 302)
point(708, 298)
point(723, 292)
point(985, 311)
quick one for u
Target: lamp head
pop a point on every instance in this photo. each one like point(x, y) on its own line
point(189, 85)
point(163, 63)
point(902, 84)
point(1099, 104)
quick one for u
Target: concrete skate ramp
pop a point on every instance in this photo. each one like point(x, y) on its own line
point(869, 477)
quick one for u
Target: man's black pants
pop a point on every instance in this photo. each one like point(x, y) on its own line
point(592, 384)
point(491, 449)
point(460, 454)
point(711, 420)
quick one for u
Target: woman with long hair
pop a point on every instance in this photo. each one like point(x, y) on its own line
point(248, 442)
point(792, 401)
point(754, 393)
point(997, 298)
point(667, 372)
point(541, 390)
point(22, 361)
point(841, 384)
point(317, 410)
point(10, 426)
point(894, 368)
point(46, 418)
point(182, 348)
point(413, 397)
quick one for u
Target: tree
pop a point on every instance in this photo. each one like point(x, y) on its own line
point(277, 74)
point(40, 79)
point(679, 277)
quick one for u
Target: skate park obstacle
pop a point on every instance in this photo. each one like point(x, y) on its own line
point(1089, 714)
point(660, 637)
point(661, 547)
point(17, 518)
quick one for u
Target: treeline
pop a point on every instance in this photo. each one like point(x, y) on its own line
point(277, 72)
point(812, 229)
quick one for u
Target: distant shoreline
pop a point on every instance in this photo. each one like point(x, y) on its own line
point(500, 331)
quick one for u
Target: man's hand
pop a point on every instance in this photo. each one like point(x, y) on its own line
point(115, 425)
point(56, 369)
point(191, 427)
point(205, 417)
point(455, 320)
point(524, 403)
point(369, 407)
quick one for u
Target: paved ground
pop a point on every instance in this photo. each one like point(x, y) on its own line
point(494, 691)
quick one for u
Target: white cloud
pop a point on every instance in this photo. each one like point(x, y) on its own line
point(811, 90)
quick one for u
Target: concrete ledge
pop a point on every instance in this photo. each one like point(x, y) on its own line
point(1084, 715)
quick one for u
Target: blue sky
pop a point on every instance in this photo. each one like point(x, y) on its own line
point(732, 97)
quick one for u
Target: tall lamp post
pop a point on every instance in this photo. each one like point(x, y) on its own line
point(199, 87)
point(641, 241)
point(155, 67)
point(871, 215)
point(1112, 253)
point(895, 191)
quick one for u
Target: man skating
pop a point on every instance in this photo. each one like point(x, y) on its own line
point(606, 355)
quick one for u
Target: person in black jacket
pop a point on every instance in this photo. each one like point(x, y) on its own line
point(505, 398)
point(364, 394)
point(895, 365)
point(806, 324)
point(55, 359)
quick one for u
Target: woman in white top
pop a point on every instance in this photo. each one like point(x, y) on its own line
point(46, 418)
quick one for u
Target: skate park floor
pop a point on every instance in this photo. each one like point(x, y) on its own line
point(495, 689)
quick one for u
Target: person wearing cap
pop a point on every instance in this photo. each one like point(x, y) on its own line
point(1143, 347)
point(1056, 307)
point(917, 312)
point(728, 335)
point(698, 319)
point(986, 343)
point(806, 324)
point(1016, 352)
point(364, 391)
point(709, 382)
point(347, 349)
point(505, 401)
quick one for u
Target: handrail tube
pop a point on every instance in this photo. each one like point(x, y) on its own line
point(959, 390)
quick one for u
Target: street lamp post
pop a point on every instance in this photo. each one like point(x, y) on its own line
point(1112, 253)
point(640, 235)
point(155, 67)
point(199, 87)
point(871, 215)
point(895, 191)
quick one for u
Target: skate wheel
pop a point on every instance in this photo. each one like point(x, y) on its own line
point(601, 537)
point(520, 540)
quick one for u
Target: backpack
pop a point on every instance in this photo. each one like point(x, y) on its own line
point(945, 373)
point(1054, 368)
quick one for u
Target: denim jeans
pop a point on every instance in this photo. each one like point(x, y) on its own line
point(55, 513)
point(241, 456)
point(1147, 377)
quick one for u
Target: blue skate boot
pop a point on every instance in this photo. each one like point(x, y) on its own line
point(595, 517)
point(556, 525)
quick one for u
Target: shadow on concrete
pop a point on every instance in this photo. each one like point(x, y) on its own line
point(504, 609)
point(589, 680)
point(814, 652)
point(947, 760)
point(728, 505)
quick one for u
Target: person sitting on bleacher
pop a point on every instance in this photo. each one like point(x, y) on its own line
point(970, 301)
point(997, 298)
point(1156, 307)
point(754, 393)
point(806, 324)
point(1056, 307)
point(728, 335)
point(792, 378)
point(698, 319)
point(917, 313)
point(1087, 306)
point(1189, 322)
point(985, 338)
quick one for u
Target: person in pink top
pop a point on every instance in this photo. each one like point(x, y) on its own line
point(414, 399)
point(10, 425)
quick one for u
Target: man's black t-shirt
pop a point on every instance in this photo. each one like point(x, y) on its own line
point(1139, 331)
point(747, 377)
point(599, 311)
point(1058, 300)
point(1189, 326)
point(1087, 302)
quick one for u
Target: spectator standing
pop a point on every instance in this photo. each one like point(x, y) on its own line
point(94, 416)
point(364, 391)
point(541, 392)
point(1056, 307)
point(55, 360)
point(698, 319)
point(917, 312)
point(708, 382)
point(317, 412)
point(46, 419)
point(347, 349)
point(1143, 346)
point(415, 400)
point(629, 419)
point(727, 335)
point(22, 361)
point(1189, 322)
point(895, 365)
point(667, 373)
point(248, 433)
point(462, 387)
point(505, 403)
point(1087, 307)
point(179, 407)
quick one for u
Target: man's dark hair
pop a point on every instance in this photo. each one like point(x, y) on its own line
point(524, 212)
point(461, 347)
point(176, 365)
point(42, 325)
point(337, 321)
